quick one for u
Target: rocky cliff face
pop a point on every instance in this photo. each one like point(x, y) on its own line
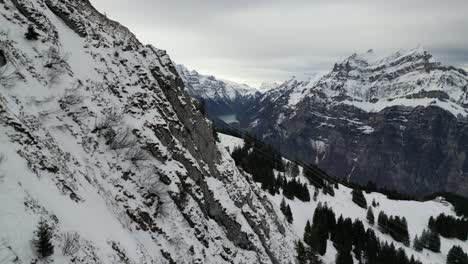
point(98, 138)
point(400, 121)
point(221, 97)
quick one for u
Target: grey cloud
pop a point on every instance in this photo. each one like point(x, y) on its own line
point(270, 40)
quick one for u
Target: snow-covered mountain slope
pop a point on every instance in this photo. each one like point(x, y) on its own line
point(221, 97)
point(407, 78)
point(98, 138)
point(400, 121)
point(417, 213)
point(267, 86)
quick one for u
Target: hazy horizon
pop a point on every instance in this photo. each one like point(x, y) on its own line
point(267, 41)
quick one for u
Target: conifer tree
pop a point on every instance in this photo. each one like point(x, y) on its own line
point(370, 216)
point(42, 242)
point(301, 253)
point(359, 199)
point(308, 239)
point(434, 242)
point(417, 245)
point(288, 214)
point(283, 206)
point(343, 257)
point(316, 193)
point(456, 255)
point(430, 240)
point(31, 34)
point(382, 221)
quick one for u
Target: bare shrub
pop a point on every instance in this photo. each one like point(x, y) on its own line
point(72, 97)
point(7, 254)
point(11, 64)
point(70, 243)
point(136, 155)
point(56, 64)
point(9, 76)
point(120, 139)
point(111, 118)
point(151, 182)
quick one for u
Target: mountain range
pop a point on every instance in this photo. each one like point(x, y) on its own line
point(222, 99)
point(106, 158)
point(399, 121)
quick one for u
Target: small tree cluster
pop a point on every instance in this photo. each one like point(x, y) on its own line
point(359, 199)
point(328, 189)
point(370, 216)
point(350, 236)
point(456, 255)
point(31, 34)
point(395, 226)
point(260, 161)
point(306, 255)
point(429, 240)
point(314, 175)
point(449, 226)
point(293, 188)
point(324, 222)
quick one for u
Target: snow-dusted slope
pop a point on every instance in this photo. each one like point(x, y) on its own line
point(230, 142)
point(400, 121)
point(98, 138)
point(416, 213)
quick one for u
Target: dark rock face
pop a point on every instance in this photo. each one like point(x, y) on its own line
point(413, 139)
point(415, 150)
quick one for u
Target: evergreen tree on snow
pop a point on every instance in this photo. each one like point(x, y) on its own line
point(370, 216)
point(343, 257)
point(288, 214)
point(42, 242)
point(31, 34)
point(456, 255)
point(417, 244)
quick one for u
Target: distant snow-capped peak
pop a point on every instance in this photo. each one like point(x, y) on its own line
point(210, 87)
point(373, 82)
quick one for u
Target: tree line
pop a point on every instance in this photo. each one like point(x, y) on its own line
point(260, 161)
point(449, 226)
point(347, 236)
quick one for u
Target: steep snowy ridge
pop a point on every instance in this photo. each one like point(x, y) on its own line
point(399, 120)
point(97, 137)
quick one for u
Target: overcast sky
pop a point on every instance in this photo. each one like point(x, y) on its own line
point(252, 41)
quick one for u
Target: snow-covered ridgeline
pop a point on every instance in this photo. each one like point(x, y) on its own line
point(368, 81)
point(97, 138)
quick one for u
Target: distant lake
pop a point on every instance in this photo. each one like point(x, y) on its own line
point(229, 119)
